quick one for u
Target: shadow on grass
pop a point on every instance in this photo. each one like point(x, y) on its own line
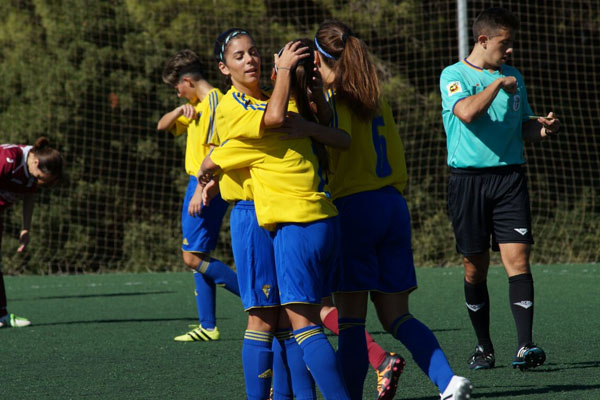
point(480, 393)
point(118, 321)
point(549, 389)
point(84, 296)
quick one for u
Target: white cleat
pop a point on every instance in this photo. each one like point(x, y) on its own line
point(459, 388)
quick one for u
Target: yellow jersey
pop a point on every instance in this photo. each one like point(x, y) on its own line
point(286, 177)
point(199, 131)
point(375, 158)
point(234, 184)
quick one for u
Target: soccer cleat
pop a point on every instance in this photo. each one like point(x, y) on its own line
point(387, 376)
point(12, 321)
point(199, 334)
point(529, 356)
point(482, 360)
point(459, 388)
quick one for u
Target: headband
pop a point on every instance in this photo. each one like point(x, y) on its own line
point(228, 38)
point(326, 54)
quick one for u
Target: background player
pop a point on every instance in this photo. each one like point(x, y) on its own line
point(486, 118)
point(367, 183)
point(200, 225)
point(22, 170)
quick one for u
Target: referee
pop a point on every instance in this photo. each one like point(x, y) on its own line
point(487, 118)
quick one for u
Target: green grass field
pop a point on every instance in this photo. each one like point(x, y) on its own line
point(111, 337)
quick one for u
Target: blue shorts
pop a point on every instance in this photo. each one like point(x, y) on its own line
point(376, 243)
point(200, 234)
point(254, 259)
point(307, 257)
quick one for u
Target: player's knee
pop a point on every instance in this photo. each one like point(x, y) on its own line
point(193, 260)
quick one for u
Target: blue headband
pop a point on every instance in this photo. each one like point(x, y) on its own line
point(228, 38)
point(326, 54)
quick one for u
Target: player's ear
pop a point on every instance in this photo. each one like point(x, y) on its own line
point(482, 40)
point(223, 68)
point(317, 59)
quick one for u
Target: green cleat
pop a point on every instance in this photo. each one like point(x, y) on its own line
point(199, 334)
point(529, 356)
point(12, 321)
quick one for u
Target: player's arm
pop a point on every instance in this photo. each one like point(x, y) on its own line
point(167, 121)
point(297, 127)
point(274, 115)
point(207, 170)
point(28, 202)
point(540, 129)
point(472, 107)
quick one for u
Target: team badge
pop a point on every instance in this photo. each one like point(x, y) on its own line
point(266, 290)
point(453, 88)
point(516, 102)
point(185, 242)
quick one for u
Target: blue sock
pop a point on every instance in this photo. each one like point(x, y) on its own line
point(205, 301)
point(425, 349)
point(220, 274)
point(282, 380)
point(257, 359)
point(322, 362)
point(303, 384)
point(353, 354)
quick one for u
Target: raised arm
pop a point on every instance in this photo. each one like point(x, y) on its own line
point(166, 121)
point(472, 107)
point(276, 110)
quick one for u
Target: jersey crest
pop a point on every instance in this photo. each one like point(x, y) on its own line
point(453, 88)
point(516, 102)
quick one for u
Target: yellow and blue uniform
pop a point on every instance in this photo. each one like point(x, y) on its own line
point(290, 194)
point(287, 189)
point(366, 183)
point(251, 244)
point(200, 234)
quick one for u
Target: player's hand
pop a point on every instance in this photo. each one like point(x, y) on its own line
point(203, 179)
point(509, 84)
point(294, 126)
point(211, 190)
point(292, 53)
point(188, 111)
point(195, 205)
point(550, 123)
point(316, 83)
point(23, 240)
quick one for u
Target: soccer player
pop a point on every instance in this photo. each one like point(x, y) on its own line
point(200, 225)
point(487, 117)
point(22, 170)
point(366, 185)
point(289, 194)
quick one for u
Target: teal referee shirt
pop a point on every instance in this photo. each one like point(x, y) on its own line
point(494, 139)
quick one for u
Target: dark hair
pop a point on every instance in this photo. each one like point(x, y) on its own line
point(356, 80)
point(50, 160)
point(301, 75)
point(184, 63)
point(223, 41)
point(491, 20)
point(221, 46)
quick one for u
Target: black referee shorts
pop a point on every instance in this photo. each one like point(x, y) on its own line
point(484, 202)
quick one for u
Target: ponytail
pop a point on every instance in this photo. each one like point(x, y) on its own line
point(356, 81)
